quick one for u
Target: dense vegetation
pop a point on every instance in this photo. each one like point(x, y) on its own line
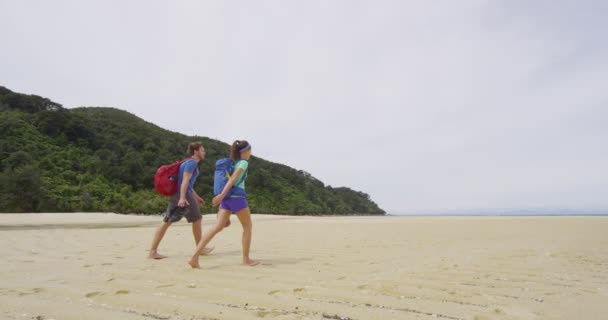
point(54, 159)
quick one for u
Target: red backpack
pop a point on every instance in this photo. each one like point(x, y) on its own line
point(165, 179)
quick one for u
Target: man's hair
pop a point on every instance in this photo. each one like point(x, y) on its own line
point(194, 146)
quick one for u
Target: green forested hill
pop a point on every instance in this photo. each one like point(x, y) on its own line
point(104, 159)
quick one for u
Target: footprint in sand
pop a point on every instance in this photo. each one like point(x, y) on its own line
point(299, 290)
point(389, 289)
point(107, 264)
point(122, 292)
point(92, 294)
point(267, 314)
point(164, 286)
point(363, 287)
point(38, 290)
point(341, 278)
point(274, 292)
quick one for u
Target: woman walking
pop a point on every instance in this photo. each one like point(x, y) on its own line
point(232, 199)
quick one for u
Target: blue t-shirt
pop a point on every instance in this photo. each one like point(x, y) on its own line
point(190, 166)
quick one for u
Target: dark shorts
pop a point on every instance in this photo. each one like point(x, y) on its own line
point(174, 213)
point(234, 204)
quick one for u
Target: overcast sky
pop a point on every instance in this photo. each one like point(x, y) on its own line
point(428, 106)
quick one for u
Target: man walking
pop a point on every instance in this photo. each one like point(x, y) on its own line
point(185, 202)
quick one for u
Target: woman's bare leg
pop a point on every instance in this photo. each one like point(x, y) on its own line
point(245, 219)
point(222, 217)
point(227, 222)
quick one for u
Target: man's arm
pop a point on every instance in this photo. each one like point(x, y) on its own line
point(183, 188)
point(198, 198)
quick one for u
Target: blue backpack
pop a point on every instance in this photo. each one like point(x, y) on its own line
point(223, 171)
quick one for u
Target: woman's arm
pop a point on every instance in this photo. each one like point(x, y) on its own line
point(236, 175)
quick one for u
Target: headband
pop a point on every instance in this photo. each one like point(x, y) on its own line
point(245, 149)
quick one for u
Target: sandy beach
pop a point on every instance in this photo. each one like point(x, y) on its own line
point(93, 266)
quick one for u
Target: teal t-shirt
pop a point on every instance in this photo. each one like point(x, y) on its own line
point(241, 164)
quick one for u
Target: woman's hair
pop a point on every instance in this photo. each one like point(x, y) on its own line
point(237, 146)
point(194, 146)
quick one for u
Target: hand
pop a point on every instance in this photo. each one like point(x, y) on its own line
point(200, 201)
point(182, 203)
point(217, 199)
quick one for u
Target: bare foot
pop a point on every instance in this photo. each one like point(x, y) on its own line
point(156, 255)
point(251, 263)
point(194, 264)
point(207, 251)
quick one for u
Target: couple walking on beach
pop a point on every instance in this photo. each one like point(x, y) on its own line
point(231, 198)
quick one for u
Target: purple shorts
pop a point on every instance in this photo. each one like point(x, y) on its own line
point(234, 204)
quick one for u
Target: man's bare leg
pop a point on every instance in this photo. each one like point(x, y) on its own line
point(245, 219)
point(158, 236)
point(197, 230)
